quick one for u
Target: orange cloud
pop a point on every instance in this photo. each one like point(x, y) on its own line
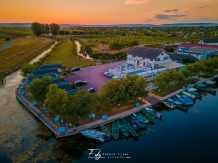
point(129, 2)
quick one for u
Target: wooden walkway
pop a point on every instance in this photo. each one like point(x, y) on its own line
point(55, 129)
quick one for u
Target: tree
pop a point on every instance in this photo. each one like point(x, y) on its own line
point(7, 39)
point(86, 50)
point(37, 28)
point(56, 100)
point(54, 28)
point(123, 90)
point(39, 88)
point(83, 102)
point(27, 69)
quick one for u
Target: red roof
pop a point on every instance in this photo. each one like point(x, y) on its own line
point(190, 45)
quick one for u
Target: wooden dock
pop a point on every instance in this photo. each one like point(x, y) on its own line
point(55, 128)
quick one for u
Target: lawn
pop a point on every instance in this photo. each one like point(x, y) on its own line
point(64, 56)
point(20, 52)
point(13, 32)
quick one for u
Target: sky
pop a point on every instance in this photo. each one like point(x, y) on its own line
point(108, 11)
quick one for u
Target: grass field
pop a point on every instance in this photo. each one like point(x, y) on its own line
point(20, 52)
point(14, 32)
point(64, 56)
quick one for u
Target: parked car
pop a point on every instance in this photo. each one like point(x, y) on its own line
point(75, 69)
point(142, 100)
point(80, 82)
point(91, 90)
point(108, 74)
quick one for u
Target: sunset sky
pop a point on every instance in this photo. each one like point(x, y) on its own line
point(108, 11)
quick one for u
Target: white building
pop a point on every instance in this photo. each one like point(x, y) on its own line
point(147, 57)
point(209, 41)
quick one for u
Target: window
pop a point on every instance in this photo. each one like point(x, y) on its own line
point(165, 58)
point(157, 59)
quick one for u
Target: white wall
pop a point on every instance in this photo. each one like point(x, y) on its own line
point(139, 61)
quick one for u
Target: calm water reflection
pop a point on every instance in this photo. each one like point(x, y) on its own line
point(179, 137)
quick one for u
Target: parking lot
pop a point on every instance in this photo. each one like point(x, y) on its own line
point(94, 75)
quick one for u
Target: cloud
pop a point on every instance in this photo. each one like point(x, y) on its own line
point(201, 7)
point(148, 20)
point(174, 10)
point(168, 17)
point(130, 2)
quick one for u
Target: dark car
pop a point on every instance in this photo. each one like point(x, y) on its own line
point(75, 69)
point(80, 82)
point(91, 90)
point(108, 74)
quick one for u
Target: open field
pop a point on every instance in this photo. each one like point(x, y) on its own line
point(13, 32)
point(20, 52)
point(64, 56)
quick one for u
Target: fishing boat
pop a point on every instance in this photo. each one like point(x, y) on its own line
point(210, 82)
point(134, 124)
point(197, 95)
point(95, 134)
point(189, 95)
point(191, 89)
point(122, 129)
point(187, 99)
point(129, 128)
point(144, 116)
point(169, 105)
point(143, 125)
point(105, 130)
point(181, 100)
point(115, 130)
point(177, 104)
point(156, 114)
point(142, 119)
point(148, 116)
point(204, 89)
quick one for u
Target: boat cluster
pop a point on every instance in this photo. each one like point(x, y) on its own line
point(127, 126)
point(187, 98)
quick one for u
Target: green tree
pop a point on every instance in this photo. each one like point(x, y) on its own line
point(56, 100)
point(37, 28)
point(27, 69)
point(54, 28)
point(83, 102)
point(39, 88)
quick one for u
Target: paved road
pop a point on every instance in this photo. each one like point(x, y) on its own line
point(9, 43)
point(94, 75)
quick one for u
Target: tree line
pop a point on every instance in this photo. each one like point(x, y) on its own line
point(39, 29)
point(204, 68)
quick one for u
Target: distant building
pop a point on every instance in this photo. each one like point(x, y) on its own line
point(195, 51)
point(177, 34)
point(150, 58)
point(209, 41)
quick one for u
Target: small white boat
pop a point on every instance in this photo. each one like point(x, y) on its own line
point(191, 89)
point(210, 82)
point(94, 134)
point(189, 95)
point(169, 105)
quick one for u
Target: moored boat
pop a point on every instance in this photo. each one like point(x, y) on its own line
point(191, 89)
point(148, 116)
point(105, 130)
point(96, 135)
point(156, 114)
point(142, 119)
point(206, 90)
point(181, 100)
point(187, 99)
point(210, 82)
point(197, 95)
point(122, 129)
point(142, 124)
point(129, 128)
point(189, 95)
point(134, 124)
point(169, 105)
point(178, 104)
point(115, 130)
